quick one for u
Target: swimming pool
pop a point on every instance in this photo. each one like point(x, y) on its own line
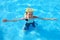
point(45, 30)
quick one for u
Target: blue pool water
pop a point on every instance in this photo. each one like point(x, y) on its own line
point(45, 29)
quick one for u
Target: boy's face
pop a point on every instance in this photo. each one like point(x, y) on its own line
point(29, 14)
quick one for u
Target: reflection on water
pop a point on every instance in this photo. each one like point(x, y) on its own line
point(45, 30)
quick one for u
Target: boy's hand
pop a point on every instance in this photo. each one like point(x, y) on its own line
point(53, 19)
point(5, 20)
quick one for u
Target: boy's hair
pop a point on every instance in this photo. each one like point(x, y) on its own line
point(29, 9)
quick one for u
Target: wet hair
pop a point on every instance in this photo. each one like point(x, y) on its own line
point(27, 13)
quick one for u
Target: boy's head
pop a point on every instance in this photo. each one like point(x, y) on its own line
point(29, 10)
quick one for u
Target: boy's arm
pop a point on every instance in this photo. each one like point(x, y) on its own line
point(14, 20)
point(44, 18)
